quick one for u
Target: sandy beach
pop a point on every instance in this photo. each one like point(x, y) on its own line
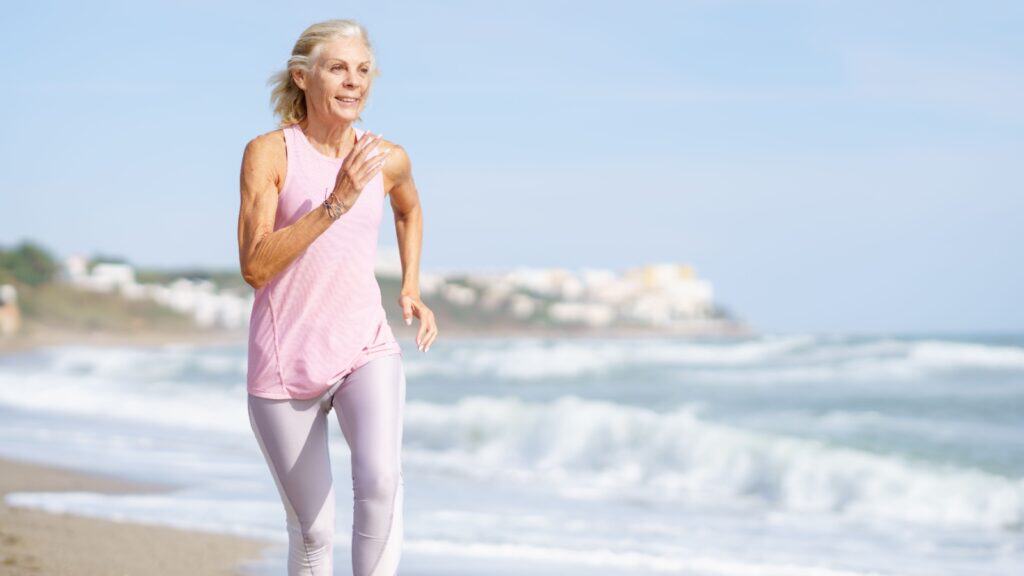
point(40, 543)
point(41, 337)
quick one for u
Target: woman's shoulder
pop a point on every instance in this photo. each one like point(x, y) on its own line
point(396, 154)
point(268, 141)
point(397, 167)
point(397, 164)
point(266, 153)
point(267, 147)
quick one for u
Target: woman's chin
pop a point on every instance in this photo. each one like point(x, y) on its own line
point(347, 117)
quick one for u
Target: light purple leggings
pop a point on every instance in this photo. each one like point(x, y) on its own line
point(292, 434)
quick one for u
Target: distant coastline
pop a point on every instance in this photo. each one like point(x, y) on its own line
point(43, 336)
point(102, 300)
point(47, 336)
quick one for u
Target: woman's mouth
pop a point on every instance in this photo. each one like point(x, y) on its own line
point(346, 101)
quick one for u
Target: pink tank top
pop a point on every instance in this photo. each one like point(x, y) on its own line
point(321, 317)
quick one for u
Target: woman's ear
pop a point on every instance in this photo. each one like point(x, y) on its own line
point(298, 76)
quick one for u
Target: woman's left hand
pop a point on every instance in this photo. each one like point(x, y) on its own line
point(413, 306)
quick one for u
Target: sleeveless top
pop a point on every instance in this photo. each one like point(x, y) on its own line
point(321, 317)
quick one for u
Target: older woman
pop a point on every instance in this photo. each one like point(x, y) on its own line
point(312, 197)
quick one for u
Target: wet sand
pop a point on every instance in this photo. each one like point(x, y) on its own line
point(34, 542)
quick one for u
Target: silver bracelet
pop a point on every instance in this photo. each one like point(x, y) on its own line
point(335, 210)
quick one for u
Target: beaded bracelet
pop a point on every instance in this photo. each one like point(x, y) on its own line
point(335, 210)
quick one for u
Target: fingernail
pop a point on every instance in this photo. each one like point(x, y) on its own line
point(408, 321)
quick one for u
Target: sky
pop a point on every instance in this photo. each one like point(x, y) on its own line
point(829, 166)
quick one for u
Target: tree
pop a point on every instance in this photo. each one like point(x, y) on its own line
point(28, 263)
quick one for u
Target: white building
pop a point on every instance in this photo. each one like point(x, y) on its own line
point(667, 292)
point(589, 313)
point(208, 306)
point(657, 294)
point(104, 277)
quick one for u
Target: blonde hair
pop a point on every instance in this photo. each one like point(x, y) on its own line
point(288, 100)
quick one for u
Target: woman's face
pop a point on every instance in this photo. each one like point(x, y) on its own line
point(340, 73)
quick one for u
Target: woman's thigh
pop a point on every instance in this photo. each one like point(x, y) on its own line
point(370, 405)
point(293, 437)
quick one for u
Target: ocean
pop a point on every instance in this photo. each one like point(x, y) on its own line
point(782, 455)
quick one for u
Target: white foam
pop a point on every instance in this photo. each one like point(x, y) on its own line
point(605, 559)
point(531, 359)
point(954, 355)
point(105, 396)
point(800, 359)
point(598, 449)
point(243, 518)
point(588, 448)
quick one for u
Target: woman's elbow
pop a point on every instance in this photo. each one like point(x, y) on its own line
point(410, 214)
point(253, 276)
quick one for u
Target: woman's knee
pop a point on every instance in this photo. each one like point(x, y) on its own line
point(377, 485)
point(319, 533)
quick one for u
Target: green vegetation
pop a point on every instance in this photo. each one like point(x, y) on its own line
point(47, 303)
point(28, 264)
point(62, 306)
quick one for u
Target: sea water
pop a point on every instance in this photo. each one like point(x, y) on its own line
point(779, 454)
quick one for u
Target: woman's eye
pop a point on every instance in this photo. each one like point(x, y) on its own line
point(337, 67)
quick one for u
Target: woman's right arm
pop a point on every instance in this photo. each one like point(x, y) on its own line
point(263, 251)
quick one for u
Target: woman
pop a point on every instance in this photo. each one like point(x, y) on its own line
point(312, 197)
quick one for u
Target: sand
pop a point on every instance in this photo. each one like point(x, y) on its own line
point(42, 337)
point(34, 542)
point(48, 336)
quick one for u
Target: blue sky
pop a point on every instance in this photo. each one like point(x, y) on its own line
point(829, 166)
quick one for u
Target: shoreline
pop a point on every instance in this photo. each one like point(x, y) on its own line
point(42, 543)
point(43, 337)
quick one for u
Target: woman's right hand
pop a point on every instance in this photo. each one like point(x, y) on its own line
point(357, 169)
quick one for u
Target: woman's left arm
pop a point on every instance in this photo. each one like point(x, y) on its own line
point(405, 203)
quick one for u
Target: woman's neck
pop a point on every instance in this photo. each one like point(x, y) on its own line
point(329, 138)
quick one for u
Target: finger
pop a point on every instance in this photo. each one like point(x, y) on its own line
point(421, 337)
point(364, 153)
point(365, 158)
point(371, 167)
point(361, 143)
point(375, 163)
point(359, 150)
point(361, 182)
point(407, 312)
point(430, 339)
point(366, 170)
point(368, 140)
